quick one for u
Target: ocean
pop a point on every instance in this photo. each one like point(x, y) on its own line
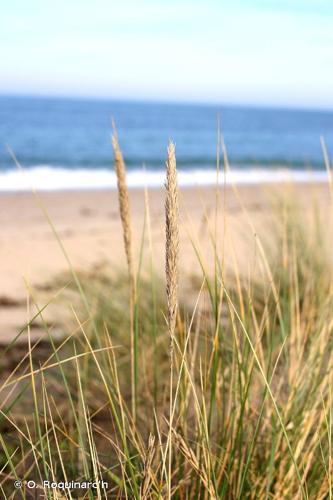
point(64, 143)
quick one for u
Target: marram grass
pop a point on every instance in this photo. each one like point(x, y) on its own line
point(248, 412)
point(124, 209)
point(171, 273)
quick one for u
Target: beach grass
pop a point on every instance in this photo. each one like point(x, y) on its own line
point(154, 394)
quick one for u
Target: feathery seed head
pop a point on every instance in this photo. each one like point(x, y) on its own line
point(172, 237)
point(123, 197)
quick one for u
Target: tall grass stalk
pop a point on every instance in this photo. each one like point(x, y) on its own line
point(171, 271)
point(124, 208)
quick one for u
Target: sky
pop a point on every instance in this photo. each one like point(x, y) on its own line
point(255, 52)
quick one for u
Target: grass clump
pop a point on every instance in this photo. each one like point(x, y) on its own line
point(247, 410)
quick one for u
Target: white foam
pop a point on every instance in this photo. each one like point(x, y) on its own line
point(47, 178)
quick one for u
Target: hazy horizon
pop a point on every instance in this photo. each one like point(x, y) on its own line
point(164, 100)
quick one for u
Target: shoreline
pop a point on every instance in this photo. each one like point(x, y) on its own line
point(48, 179)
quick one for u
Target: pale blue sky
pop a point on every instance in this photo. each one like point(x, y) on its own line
point(237, 51)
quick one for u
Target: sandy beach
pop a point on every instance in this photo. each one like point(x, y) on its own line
point(87, 222)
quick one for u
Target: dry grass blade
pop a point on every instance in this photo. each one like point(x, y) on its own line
point(192, 460)
point(147, 472)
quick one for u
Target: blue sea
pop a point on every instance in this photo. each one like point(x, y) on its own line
point(64, 143)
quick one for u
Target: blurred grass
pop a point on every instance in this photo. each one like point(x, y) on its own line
point(252, 382)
